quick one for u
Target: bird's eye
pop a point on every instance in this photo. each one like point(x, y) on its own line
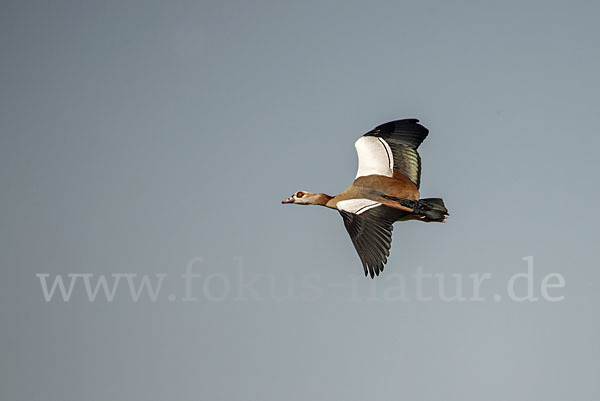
point(299, 194)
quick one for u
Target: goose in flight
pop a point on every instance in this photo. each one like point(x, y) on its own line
point(385, 190)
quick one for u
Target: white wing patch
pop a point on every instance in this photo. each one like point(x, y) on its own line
point(357, 206)
point(374, 157)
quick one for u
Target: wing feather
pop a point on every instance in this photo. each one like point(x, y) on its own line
point(371, 235)
point(402, 137)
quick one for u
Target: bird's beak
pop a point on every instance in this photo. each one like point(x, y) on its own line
point(288, 200)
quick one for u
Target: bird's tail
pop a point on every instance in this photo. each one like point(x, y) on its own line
point(432, 208)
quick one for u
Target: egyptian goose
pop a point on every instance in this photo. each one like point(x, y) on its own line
point(385, 190)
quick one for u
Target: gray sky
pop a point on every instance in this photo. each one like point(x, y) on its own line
point(136, 136)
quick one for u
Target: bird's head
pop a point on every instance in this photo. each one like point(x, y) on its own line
point(305, 198)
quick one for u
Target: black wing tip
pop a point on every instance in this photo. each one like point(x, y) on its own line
point(404, 123)
point(373, 271)
point(408, 131)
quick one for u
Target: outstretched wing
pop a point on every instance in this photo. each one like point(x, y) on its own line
point(392, 148)
point(370, 226)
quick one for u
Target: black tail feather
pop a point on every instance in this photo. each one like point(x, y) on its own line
point(431, 208)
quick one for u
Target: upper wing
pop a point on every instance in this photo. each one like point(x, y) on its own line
point(392, 147)
point(370, 227)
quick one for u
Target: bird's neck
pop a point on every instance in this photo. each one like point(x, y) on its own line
point(322, 200)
